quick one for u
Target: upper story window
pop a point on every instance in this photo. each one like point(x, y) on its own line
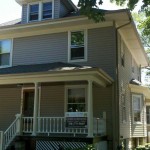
point(34, 12)
point(47, 10)
point(77, 46)
point(137, 108)
point(5, 52)
point(40, 10)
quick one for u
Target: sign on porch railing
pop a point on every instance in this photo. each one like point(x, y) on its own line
point(76, 119)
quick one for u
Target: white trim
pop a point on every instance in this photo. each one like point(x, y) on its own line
point(139, 96)
point(11, 52)
point(85, 46)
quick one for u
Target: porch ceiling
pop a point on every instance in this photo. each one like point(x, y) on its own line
point(54, 72)
point(140, 89)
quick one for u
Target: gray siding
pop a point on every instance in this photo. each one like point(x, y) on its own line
point(40, 49)
point(9, 106)
point(24, 13)
point(54, 48)
point(102, 49)
point(126, 73)
point(102, 102)
point(63, 10)
point(52, 101)
point(56, 8)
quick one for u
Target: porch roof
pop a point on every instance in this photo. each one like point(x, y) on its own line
point(140, 89)
point(53, 72)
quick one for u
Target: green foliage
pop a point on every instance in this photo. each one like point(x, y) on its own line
point(88, 147)
point(143, 147)
point(90, 9)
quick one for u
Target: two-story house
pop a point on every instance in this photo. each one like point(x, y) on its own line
point(70, 81)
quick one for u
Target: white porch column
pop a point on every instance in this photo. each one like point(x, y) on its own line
point(35, 112)
point(90, 108)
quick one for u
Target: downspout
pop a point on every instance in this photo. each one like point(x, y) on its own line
point(116, 86)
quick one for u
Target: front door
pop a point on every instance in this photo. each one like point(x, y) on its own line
point(28, 102)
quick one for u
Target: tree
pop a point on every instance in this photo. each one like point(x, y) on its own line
point(90, 8)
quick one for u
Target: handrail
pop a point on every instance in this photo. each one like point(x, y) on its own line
point(11, 132)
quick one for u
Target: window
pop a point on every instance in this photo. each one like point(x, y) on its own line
point(77, 46)
point(136, 103)
point(76, 99)
point(47, 10)
point(5, 51)
point(40, 11)
point(133, 65)
point(34, 12)
point(122, 54)
point(148, 114)
point(123, 107)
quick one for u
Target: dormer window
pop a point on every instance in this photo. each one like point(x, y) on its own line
point(40, 10)
point(34, 12)
point(47, 10)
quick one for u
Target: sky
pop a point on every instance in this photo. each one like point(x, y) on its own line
point(10, 10)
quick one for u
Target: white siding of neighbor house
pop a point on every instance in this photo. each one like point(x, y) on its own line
point(128, 129)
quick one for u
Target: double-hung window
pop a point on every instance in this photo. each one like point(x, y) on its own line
point(77, 46)
point(47, 10)
point(137, 107)
point(34, 12)
point(5, 52)
point(76, 99)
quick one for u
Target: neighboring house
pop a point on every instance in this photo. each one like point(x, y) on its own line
point(70, 81)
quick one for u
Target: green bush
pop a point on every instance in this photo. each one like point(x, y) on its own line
point(88, 147)
point(143, 147)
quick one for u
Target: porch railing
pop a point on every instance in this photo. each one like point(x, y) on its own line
point(58, 125)
point(8, 136)
point(47, 125)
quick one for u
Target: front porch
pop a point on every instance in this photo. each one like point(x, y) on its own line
point(66, 103)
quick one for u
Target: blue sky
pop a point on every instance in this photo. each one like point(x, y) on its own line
point(10, 10)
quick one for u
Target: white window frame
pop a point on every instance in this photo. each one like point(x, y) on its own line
point(85, 45)
point(75, 87)
point(40, 3)
point(139, 96)
point(11, 52)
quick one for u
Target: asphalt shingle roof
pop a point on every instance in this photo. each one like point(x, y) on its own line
point(57, 66)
